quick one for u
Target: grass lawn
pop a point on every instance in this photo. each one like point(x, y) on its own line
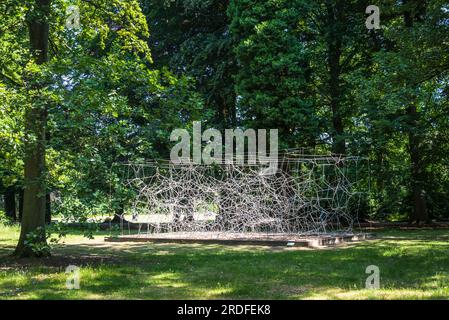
point(413, 265)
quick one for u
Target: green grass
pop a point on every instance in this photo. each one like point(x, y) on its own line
point(413, 265)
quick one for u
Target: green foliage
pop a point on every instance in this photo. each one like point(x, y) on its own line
point(408, 67)
point(3, 218)
point(304, 66)
point(11, 137)
point(273, 82)
point(42, 240)
point(192, 37)
point(117, 86)
point(106, 103)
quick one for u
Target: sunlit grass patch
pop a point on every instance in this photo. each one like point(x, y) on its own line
point(413, 265)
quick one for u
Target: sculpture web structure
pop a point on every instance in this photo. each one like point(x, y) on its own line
point(307, 195)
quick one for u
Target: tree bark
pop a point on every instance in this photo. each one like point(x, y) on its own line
point(47, 208)
point(334, 51)
point(420, 213)
point(21, 192)
point(10, 203)
point(33, 219)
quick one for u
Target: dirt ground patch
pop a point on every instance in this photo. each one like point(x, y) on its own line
point(55, 261)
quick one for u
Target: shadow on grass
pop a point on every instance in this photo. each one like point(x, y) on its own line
point(407, 261)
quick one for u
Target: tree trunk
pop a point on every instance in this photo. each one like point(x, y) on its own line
point(420, 213)
point(47, 208)
point(33, 219)
point(334, 51)
point(119, 214)
point(10, 203)
point(21, 192)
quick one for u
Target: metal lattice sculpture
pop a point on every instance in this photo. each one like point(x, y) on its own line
point(307, 195)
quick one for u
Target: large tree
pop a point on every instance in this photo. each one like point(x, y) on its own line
point(33, 219)
point(294, 61)
point(64, 67)
point(403, 102)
